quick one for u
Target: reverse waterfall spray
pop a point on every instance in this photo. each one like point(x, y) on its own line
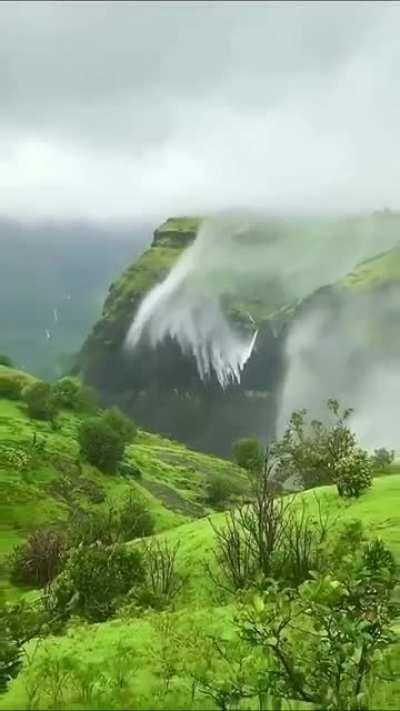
point(187, 308)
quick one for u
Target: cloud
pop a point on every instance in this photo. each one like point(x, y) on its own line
point(136, 110)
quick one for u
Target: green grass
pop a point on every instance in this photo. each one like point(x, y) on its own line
point(96, 646)
point(173, 482)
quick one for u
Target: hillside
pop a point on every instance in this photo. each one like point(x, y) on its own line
point(131, 647)
point(46, 485)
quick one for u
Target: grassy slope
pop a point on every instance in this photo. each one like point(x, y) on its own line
point(98, 644)
point(173, 482)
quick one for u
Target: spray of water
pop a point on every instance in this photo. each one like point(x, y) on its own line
point(186, 307)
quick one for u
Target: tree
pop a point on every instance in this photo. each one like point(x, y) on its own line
point(65, 394)
point(314, 453)
point(100, 445)
point(38, 398)
point(382, 458)
point(125, 427)
point(248, 453)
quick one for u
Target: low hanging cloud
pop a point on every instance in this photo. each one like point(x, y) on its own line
point(138, 110)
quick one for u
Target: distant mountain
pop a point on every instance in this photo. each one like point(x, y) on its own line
point(53, 278)
point(321, 294)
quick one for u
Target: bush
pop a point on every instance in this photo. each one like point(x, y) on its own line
point(382, 458)
point(248, 454)
point(218, 490)
point(66, 394)
point(95, 580)
point(40, 559)
point(38, 398)
point(135, 520)
point(10, 386)
point(5, 360)
point(100, 445)
point(69, 394)
point(120, 424)
point(89, 527)
point(128, 469)
point(353, 474)
point(10, 653)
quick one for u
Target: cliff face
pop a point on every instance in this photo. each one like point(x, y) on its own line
point(160, 386)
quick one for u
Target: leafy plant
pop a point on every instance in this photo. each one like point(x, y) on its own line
point(248, 453)
point(37, 561)
point(95, 580)
point(134, 520)
point(38, 398)
point(124, 427)
point(382, 458)
point(100, 445)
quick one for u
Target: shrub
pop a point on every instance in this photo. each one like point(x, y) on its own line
point(40, 559)
point(162, 581)
point(120, 424)
point(37, 397)
point(13, 458)
point(353, 474)
point(100, 445)
point(248, 453)
point(10, 653)
point(5, 360)
point(89, 527)
point(135, 520)
point(382, 458)
point(268, 537)
point(10, 386)
point(66, 394)
point(218, 490)
point(315, 453)
point(129, 469)
point(95, 580)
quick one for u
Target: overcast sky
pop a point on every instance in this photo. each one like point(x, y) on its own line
point(125, 110)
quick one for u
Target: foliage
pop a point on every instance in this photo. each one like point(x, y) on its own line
point(13, 458)
point(218, 490)
point(315, 453)
point(134, 520)
point(162, 580)
point(10, 386)
point(382, 458)
point(10, 653)
point(128, 469)
point(95, 580)
point(38, 398)
point(124, 427)
point(67, 394)
point(353, 473)
point(110, 525)
point(6, 361)
point(248, 453)
point(268, 537)
point(100, 445)
point(321, 641)
point(37, 561)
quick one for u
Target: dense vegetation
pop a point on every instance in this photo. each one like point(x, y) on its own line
point(126, 586)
